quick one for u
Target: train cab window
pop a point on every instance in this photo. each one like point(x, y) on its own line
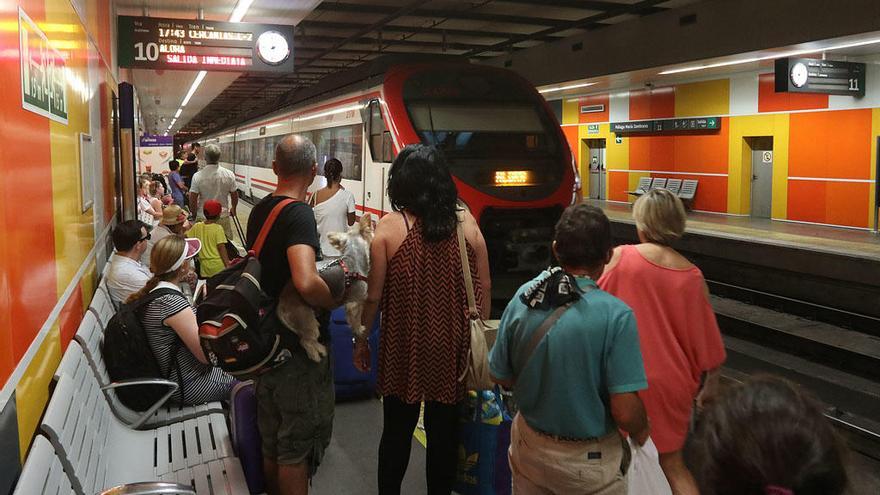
point(379, 137)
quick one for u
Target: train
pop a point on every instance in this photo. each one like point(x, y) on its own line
point(505, 148)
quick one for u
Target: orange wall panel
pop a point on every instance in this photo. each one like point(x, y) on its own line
point(651, 152)
point(771, 101)
point(830, 144)
point(846, 203)
point(705, 153)
point(652, 104)
point(711, 191)
point(571, 136)
point(618, 184)
point(588, 118)
point(806, 201)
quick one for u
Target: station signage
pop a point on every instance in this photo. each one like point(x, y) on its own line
point(830, 77)
point(185, 44)
point(667, 125)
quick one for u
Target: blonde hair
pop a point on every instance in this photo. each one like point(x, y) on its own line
point(164, 255)
point(660, 216)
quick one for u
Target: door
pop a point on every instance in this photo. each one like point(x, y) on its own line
point(762, 176)
point(597, 168)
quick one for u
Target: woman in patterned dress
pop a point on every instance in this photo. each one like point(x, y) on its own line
point(416, 275)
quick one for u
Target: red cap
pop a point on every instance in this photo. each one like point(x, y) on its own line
point(212, 208)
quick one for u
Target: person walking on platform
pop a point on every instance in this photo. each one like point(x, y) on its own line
point(189, 167)
point(570, 352)
point(767, 436)
point(169, 322)
point(333, 205)
point(176, 184)
point(126, 273)
point(295, 400)
point(213, 257)
point(217, 183)
point(416, 273)
point(680, 339)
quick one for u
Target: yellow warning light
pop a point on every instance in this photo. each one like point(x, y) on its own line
point(513, 178)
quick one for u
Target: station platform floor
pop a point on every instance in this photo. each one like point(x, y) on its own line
point(820, 238)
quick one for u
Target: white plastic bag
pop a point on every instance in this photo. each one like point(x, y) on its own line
point(645, 476)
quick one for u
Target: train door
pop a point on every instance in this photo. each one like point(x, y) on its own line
point(762, 176)
point(597, 168)
point(379, 161)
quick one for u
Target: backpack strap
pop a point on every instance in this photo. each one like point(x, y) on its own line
point(150, 297)
point(267, 225)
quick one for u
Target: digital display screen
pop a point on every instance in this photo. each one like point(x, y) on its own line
point(184, 44)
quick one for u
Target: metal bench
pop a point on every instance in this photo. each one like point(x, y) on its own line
point(658, 183)
point(688, 191)
point(44, 473)
point(673, 186)
point(643, 187)
point(89, 336)
point(97, 450)
point(102, 306)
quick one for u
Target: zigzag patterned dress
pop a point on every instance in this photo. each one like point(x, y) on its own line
point(425, 340)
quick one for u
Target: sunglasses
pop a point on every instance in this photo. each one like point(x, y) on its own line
point(147, 238)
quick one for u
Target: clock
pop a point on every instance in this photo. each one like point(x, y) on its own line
point(272, 48)
point(798, 75)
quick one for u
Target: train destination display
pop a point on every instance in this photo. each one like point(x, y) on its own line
point(667, 125)
point(810, 75)
point(186, 44)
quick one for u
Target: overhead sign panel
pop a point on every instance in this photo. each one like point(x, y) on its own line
point(830, 77)
point(185, 44)
point(667, 125)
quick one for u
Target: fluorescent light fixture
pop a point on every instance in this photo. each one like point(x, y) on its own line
point(792, 53)
point(328, 113)
point(192, 89)
point(240, 10)
point(563, 88)
point(179, 110)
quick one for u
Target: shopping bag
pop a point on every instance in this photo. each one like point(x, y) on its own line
point(484, 439)
point(645, 476)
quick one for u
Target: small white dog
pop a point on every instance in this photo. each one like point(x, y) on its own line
point(347, 278)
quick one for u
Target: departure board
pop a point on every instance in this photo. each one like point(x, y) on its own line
point(810, 75)
point(185, 44)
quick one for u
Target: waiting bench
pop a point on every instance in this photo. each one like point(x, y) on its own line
point(686, 189)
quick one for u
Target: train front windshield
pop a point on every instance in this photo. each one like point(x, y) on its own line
point(493, 130)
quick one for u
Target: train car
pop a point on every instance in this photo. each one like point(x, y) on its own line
point(508, 156)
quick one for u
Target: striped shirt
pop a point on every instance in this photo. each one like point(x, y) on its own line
point(201, 383)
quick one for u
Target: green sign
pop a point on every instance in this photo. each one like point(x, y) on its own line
point(593, 129)
point(43, 81)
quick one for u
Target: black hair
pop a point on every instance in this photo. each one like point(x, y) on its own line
point(333, 171)
point(191, 157)
point(420, 183)
point(173, 165)
point(127, 234)
point(583, 237)
point(767, 432)
point(196, 145)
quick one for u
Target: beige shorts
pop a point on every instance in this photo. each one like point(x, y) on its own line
point(542, 465)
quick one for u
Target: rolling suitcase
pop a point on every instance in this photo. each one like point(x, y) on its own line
point(246, 435)
point(351, 383)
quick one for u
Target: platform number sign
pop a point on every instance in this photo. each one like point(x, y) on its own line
point(43, 72)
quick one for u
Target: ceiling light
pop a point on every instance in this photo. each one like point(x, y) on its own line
point(563, 88)
point(179, 110)
point(792, 53)
point(328, 113)
point(192, 89)
point(240, 10)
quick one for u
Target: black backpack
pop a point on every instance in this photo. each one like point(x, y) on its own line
point(232, 313)
point(127, 354)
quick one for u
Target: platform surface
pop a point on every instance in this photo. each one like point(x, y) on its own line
point(835, 240)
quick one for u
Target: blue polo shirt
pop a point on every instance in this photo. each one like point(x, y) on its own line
point(591, 352)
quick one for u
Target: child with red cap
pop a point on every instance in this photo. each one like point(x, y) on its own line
point(213, 257)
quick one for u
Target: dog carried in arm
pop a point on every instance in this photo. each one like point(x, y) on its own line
point(346, 277)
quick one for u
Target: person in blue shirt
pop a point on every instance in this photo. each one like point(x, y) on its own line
point(175, 183)
point(577, 386)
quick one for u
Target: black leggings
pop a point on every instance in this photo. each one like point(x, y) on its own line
point(441, 430)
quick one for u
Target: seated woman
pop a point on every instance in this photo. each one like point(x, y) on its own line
point(170, 324)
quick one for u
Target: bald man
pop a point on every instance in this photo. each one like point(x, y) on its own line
point(296, 399)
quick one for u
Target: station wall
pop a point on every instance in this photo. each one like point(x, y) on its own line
point(824, 147)
point(51, 248)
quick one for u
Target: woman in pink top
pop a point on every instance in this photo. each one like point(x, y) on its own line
point(679, 337)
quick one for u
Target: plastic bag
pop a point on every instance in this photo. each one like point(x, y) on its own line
point(645, 476)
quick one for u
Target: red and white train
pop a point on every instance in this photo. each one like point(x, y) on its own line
point(507, 154)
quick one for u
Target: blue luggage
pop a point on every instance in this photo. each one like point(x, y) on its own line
point(246, 435)
point(483, 468)
point(351, 383)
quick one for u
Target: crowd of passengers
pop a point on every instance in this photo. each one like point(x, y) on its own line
point(635, 349)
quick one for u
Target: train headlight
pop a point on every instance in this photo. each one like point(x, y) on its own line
point(505, 178)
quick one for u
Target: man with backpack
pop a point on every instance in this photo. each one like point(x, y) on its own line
point(295, 400)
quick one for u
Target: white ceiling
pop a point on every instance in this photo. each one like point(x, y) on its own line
point(161, 92)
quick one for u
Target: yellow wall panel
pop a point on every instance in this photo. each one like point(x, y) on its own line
point(703, 98)
point(570, 111)
point(739, 159)
point(32, 391)
point(88, 285)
